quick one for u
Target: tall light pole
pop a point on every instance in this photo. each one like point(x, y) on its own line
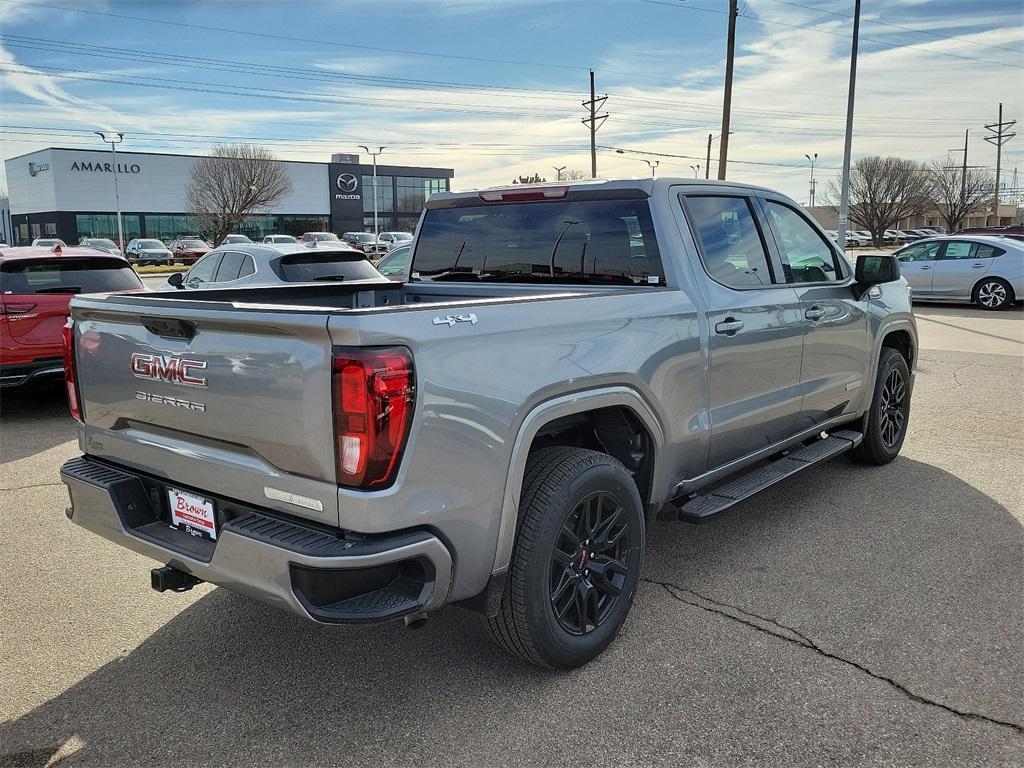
point(558, 170)
point(695, 169)
point(811, 160)
point(113, 138)
point(371, 153)
point(844, 197)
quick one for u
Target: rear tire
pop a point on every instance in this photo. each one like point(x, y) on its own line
point(889, 414)
point(993, 293)
point(576, 563)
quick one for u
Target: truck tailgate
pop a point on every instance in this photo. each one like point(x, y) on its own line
point(212, 396)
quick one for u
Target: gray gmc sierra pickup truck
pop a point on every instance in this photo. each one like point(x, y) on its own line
point(501, 430)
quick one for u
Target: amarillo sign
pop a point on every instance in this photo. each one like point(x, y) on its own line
point(106, 167)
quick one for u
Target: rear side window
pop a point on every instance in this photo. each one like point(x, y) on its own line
point(961, 249)
point(593, 242)
point(229, 266)
point(731, 247)
point(67, 274)
point(806, 257)
point(324, 265)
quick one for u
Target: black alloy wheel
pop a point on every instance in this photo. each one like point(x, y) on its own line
point(588, 564)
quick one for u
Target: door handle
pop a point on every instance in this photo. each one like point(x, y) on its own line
point(814, 313)
point(729, 327)
point(977, 266)
point(924, 268)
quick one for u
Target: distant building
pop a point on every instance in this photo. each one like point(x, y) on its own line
point(69, 193)
point(828, 217)
point(6, 230)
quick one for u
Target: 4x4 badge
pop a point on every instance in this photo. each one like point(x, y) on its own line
point(451, 320)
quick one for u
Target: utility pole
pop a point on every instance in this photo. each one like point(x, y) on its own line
point(707, 161)
point(595, 121)
point(810, 197)
point(558, 170)
point(113, 138)
point(371, 153)
point(999, 138)
point(723, 148)
point(844, 197)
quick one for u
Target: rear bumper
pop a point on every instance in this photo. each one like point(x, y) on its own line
point(43, 370)
point(307, 571)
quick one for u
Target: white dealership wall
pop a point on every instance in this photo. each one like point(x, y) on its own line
point(83, 180)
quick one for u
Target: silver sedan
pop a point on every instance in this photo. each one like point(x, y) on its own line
point(249, 265)
point(985, 270)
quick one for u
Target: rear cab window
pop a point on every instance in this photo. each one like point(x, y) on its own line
point(325, 265)
point(67, 274)
point(591, 242)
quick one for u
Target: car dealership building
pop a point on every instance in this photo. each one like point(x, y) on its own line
point(69, 193)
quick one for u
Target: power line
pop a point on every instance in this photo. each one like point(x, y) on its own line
point(776, 22)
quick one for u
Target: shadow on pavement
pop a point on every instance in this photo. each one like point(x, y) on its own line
point(905, 568)
point(32, 421)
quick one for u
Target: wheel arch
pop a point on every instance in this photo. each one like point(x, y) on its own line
point(562, 415)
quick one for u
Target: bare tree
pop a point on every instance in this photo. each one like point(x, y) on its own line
point(235, 181)
point(957, 193)
point(572, 174)
point(534, 179)
point(883, 191)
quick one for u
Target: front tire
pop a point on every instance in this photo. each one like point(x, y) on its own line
point(993, 293)
point(890, 411)
point(576, 562)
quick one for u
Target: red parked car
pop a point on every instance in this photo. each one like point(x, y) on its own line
point(187, 250)
point(36, 285)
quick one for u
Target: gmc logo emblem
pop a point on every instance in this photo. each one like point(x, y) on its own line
point(175, 370)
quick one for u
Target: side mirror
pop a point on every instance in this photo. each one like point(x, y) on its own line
point(875, 270)
point(177, 280)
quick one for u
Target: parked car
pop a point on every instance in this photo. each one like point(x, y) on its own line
point(35, 288)
point(932, 231)
point(48, 242)
point(502, 436)
point(188, 250)
point(395, 266)
point(365, 242)
point(236, 239)
point(147, 251)
point(279, 240)
point(320, 237)
point(393, 239)
point(231, 266)
point(908, 236)
point(100, 243)
point(1016, 231)
point(985, 270)
point(852, 238)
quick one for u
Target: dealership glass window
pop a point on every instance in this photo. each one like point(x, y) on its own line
point(412, 192)
point(105, 225)
point(385, 193)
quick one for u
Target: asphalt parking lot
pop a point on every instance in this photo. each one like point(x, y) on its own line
point(850, 616)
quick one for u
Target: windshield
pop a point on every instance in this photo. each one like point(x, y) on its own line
point(237, 239)
point(362, 237)
point(100, 242)
point(193, 244)
point(563, 241)
point(151, 244)
point(283, 239)
point(49, 242)
point(325, 265)
point(67, 274)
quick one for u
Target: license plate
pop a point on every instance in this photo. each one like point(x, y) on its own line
point(192, 514)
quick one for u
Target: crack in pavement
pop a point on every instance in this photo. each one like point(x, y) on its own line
point(777, 629)
point(35, 485)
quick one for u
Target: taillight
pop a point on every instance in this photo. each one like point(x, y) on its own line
point(70, 379)
point(522, 194)
point(374, 394)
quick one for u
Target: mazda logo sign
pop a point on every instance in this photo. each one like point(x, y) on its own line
point(347, 182)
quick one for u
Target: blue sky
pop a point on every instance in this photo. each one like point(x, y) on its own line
point(492, 88)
